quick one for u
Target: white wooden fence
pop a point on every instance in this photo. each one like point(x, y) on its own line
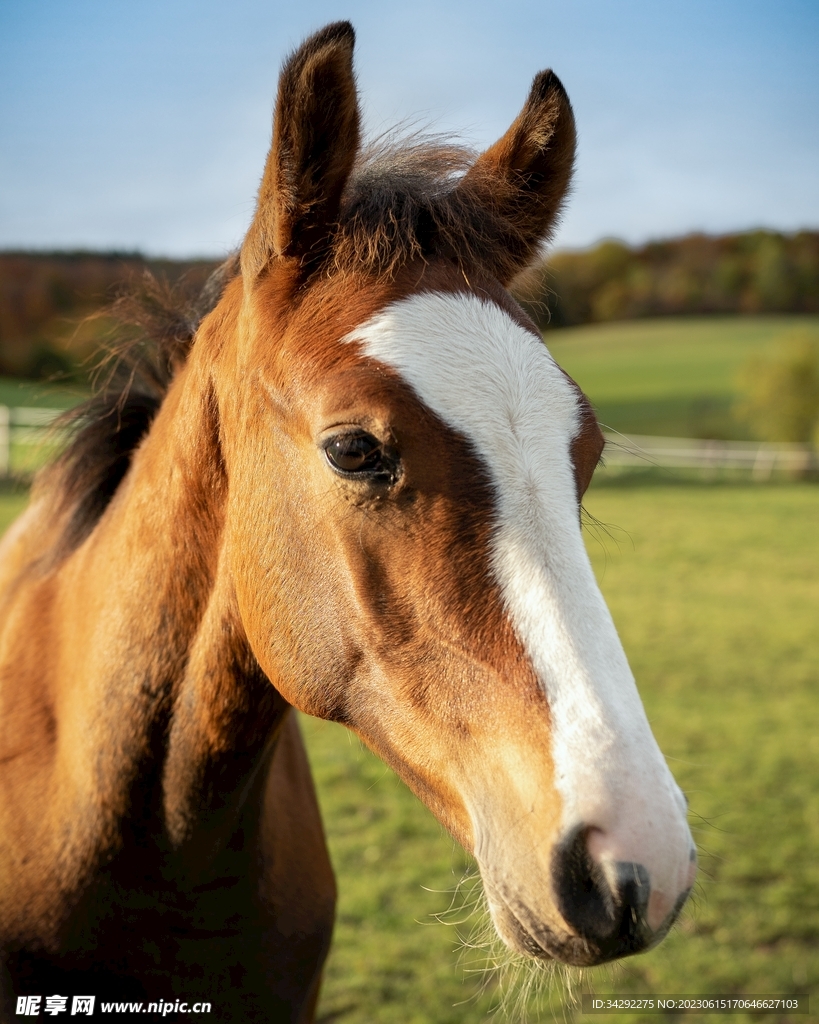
point(760, 459)
point(24, 432)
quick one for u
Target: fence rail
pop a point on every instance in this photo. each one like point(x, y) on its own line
point(760, 459)
point(27, 438)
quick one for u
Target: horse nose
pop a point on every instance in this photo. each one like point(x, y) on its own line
point(609, 903)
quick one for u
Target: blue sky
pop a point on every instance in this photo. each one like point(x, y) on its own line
point(145, 125)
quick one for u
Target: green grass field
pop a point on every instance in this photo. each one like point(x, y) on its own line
point(674, 376)
point(39, 394)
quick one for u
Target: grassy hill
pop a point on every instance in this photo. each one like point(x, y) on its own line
point(674, 376)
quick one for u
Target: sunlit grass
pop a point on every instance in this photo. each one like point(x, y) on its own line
point(674, 376)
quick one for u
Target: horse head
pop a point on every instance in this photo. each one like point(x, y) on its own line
point(405, 466)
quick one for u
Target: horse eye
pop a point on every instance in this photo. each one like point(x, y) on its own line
point(356, 453)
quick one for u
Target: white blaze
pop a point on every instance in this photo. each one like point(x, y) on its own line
point(495, 382)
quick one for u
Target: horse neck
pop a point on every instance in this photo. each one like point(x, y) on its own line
point(183, 713)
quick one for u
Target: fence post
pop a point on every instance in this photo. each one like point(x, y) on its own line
point(5, 440)
point(763, 464)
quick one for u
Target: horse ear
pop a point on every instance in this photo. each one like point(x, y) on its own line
point(315, 141)
point(524, 177)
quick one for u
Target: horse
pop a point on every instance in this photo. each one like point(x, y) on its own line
point(350, 484)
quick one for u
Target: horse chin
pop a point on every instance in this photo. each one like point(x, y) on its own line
point(521, 930)
point(537, 943)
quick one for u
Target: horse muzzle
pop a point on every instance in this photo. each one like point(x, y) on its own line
point(596, 910)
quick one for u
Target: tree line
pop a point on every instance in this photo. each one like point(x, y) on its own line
point(753, 272)
point(45, 298)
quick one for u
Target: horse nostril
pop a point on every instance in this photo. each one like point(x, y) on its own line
point(602, 905)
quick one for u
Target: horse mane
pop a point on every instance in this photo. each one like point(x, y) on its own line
point(401, 203)
point(155, 324)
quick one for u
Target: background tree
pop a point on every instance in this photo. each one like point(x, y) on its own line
point(753, 272)
point(779, 395)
